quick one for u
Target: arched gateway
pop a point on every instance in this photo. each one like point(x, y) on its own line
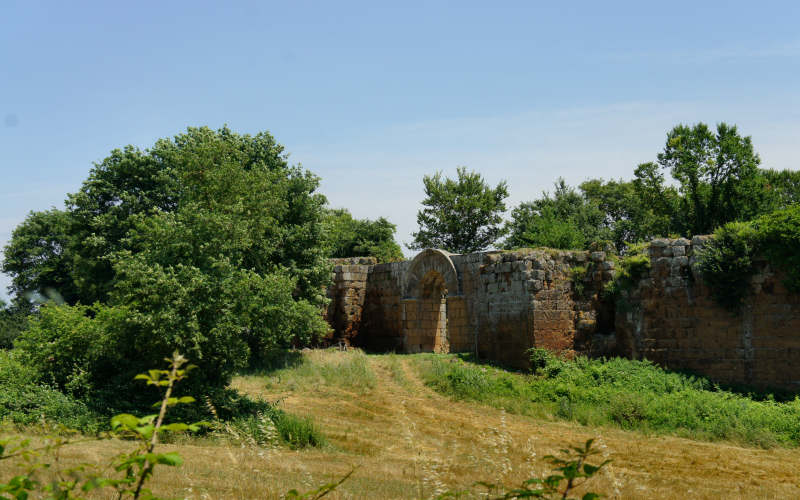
point(432, 302)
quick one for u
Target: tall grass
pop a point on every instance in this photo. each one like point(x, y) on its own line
point(622, 393)
point(272, 428)
point(318, 368)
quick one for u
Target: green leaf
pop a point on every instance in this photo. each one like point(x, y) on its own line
point(172, 459)
point(176, 427)
point(125, 420)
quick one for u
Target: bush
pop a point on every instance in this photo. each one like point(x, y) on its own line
point(627, 409)
point(727, 260)
point(92, 352)
point(630, 269)
point(209, 243)
point(24, 402)
point(12, 322)
point(726, 263)
point(73, 348)
point(273, 426)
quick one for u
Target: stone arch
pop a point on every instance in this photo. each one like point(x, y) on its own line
point(424, 268)
point(432, 282)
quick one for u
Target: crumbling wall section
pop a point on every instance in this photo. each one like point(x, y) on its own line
point(670, 317)
point(527, 298)
point(382, 326)
point(497, 304)
point(347, 294)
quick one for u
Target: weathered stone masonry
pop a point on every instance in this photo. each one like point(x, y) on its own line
point(500, 304)
point(671, 318)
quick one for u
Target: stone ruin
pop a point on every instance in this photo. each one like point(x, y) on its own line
point(496, 304)
point(499, 305)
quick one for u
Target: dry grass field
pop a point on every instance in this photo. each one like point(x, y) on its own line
point(406, 441)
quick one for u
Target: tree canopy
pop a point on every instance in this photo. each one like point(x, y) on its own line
point(209, 242)
point(715, 179)
point(350, 237)
point(460, 215)
point(565, 219)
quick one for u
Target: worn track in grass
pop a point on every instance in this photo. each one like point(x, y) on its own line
point(407, 441)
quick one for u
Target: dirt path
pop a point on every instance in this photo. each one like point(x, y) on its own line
point(406, 441)
point(433, 440)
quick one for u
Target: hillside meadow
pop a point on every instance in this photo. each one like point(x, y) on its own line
point(407, 428)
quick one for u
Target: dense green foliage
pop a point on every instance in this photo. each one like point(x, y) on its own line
point(715, 177)
point(718, 175)
point(25, 402)
point(564, 220)
point(349, 237)
point(460, 215)
point(619, 392)
point(209, 243)
point(229, 194)
point(727, 260)
point(630, 267)
point(12, 322)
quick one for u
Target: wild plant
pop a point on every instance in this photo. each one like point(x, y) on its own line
point(132, 470)
point(570, 471)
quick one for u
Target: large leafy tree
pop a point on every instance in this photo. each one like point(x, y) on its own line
point(71, 250)
point(718, 175)
point(782, 187)
point(564, 220)
point(209, 243)
point(460, 215)
point(635, 210)
point(350, 237)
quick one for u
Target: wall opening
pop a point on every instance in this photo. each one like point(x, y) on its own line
point(425, 316)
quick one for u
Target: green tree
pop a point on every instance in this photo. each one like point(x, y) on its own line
point(460, 215)
point(71, 251)
point(563, 220)
point(350, 237)
point(218, 252)
point(12, 322)
point(39, 257)
point(782, 186)
point(635, 210)
point(718, 175)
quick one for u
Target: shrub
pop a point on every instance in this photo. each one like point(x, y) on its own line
point(24, 402)
point(92, 352)
point(627, 409)
point(12, 322)
point(727, 260)
point(297, 432)
point(726, 263)
point(631, 267)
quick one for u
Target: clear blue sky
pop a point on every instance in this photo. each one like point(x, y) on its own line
point(372, 98)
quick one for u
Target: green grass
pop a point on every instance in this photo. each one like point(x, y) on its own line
point(395, 366)
point(275, 427)
point(621, 393)
point(319, 368)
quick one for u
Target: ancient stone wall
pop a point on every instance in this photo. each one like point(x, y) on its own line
point(501, 304)
point(347, 294)
point(670, 317)
point(498, 304)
